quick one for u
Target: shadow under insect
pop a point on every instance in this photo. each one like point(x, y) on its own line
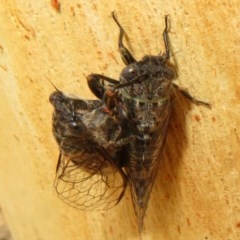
point(163, 209)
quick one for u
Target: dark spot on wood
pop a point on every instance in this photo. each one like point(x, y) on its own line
point(197, 118)
point(238, 224)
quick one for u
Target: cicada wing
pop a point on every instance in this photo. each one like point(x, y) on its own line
point(89, 184)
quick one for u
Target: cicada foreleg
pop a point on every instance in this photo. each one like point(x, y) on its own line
point(166, 39)
point(187, 95)
point(125, 53)
point(96, 83)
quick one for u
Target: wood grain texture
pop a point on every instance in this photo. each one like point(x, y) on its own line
point(197, 192)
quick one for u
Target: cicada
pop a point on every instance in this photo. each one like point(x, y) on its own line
point(90, 138)
point(142, 108)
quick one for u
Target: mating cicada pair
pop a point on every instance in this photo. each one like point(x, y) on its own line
point(115, 141)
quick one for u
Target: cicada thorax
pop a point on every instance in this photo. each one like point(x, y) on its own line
point(147, 108)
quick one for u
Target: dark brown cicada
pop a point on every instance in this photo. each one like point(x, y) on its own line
point(89, 174)
point(142, 107)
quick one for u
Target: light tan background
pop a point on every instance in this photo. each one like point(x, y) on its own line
point(197, 191)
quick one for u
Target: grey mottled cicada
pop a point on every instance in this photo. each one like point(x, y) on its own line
point(89, 173)
point(102, 151)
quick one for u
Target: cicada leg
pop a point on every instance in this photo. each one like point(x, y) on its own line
point(187, 95)
point(96, 81)
point(125, 53)
point(166, 39)
point(97, 86)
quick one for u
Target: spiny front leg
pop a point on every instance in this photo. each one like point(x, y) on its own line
point(105, 92)
point(125, 53)
point(96, 83)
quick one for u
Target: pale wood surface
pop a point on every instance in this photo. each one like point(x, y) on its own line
point(197, 191)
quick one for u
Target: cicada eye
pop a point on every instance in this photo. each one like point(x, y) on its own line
point(129, 72)
point(170, 73)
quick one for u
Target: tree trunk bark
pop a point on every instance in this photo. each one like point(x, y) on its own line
point(197, 191)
